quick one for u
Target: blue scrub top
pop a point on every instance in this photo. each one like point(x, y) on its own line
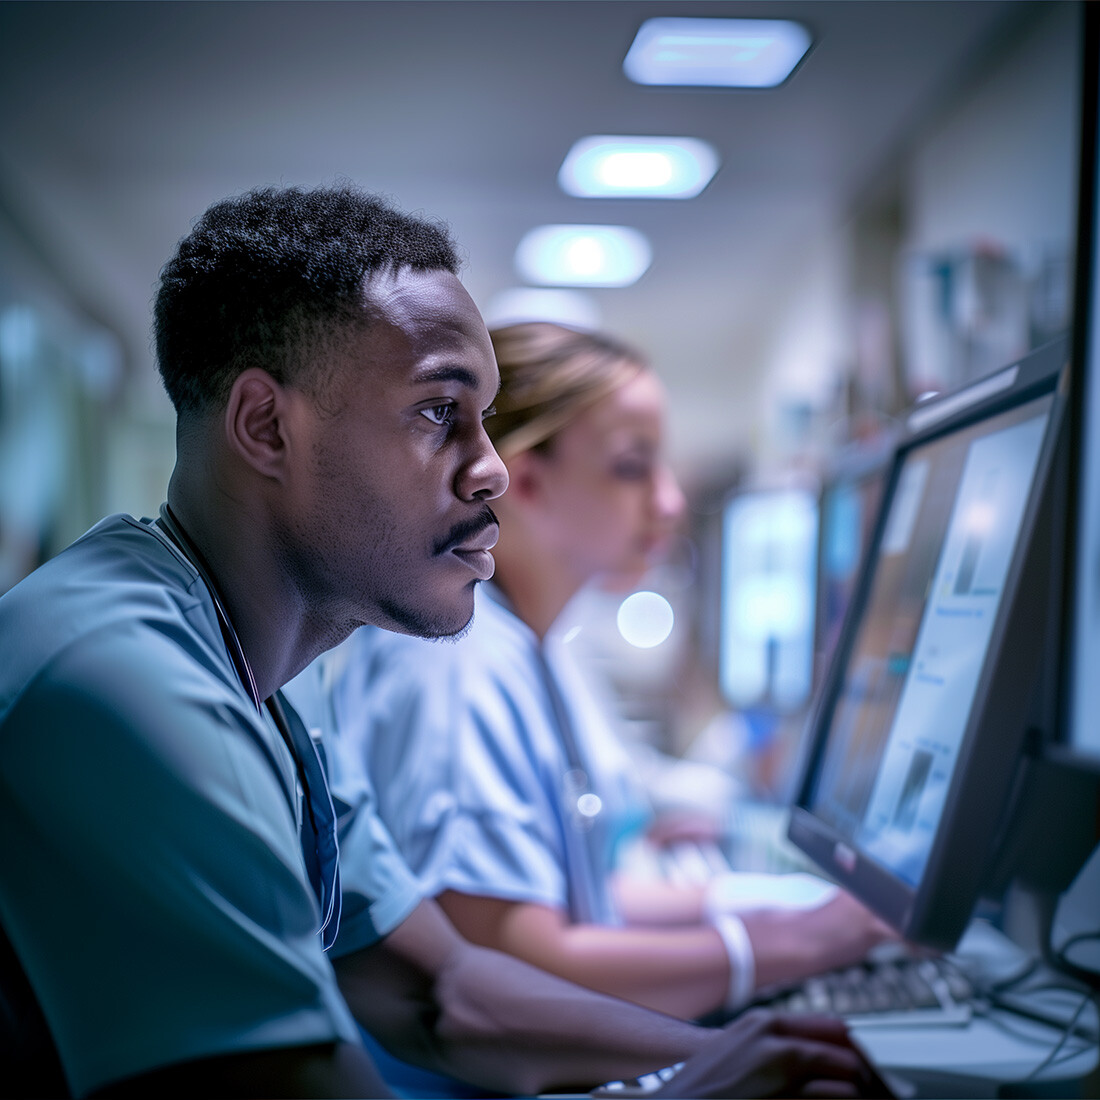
point(462, 742)
point(379, 889)
point(152, 877)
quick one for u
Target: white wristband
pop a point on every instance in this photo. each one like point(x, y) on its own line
point(742, 962)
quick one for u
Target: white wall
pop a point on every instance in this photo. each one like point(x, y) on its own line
point(996, 164)
point(1001, 164)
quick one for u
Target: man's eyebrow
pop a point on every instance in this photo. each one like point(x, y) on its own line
point(450, 373)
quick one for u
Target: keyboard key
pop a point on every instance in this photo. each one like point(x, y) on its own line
point(925, 989)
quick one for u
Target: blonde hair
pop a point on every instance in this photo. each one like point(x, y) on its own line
point(549, 374)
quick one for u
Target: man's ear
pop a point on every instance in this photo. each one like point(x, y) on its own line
point(255, 421)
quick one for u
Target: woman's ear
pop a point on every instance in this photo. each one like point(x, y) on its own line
point(525, 477)
point(256, 421)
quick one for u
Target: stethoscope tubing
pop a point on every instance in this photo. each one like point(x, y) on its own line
point(179, 537)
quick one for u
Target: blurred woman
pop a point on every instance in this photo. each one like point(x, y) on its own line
point(496, 771)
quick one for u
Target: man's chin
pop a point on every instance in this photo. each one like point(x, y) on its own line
point(422, 624)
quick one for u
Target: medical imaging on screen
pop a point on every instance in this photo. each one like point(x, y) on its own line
point(916, 661)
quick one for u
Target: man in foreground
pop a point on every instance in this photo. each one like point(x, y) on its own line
point(169, 879)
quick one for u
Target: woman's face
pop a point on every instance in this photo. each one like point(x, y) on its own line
point(609, 502)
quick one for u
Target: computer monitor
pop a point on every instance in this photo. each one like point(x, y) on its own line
point(915, 736)
point(767, 596)
point(1079, 740)
point(850, 496)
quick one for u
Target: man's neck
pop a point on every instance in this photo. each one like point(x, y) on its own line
point(263, 609)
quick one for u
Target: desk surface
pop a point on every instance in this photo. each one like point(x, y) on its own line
point(997, 1046)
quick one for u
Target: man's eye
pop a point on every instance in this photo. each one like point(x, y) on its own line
point(439, 414)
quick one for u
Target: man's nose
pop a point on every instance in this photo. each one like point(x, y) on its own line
point(484, 476)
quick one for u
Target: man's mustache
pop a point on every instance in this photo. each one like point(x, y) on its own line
point(467, 529)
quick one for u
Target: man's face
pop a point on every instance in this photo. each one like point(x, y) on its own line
point(391, 518)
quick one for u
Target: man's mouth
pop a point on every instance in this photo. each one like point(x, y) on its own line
point(471, 541)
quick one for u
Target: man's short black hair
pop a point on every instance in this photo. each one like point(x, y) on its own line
point(275, 278)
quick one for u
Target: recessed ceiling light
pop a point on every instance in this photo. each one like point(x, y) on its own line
point(727, 53)
point(583, 255)
point(606, 166)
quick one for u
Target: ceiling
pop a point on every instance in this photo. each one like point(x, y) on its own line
point(123, 121)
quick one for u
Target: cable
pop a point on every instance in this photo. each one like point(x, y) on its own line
point(1004, 984)
point(1011, 1004)
point(1082, 974)
point(1066, 1033)
point(1078, 937)
point(1073, 941)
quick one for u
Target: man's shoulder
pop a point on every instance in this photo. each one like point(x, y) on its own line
point(120, 647)
point(101, 598)
point(118, 553)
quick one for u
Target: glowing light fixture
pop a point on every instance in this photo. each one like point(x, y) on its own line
point(645, 619)
point(606, 166)
point(583, 255)
point(727, 53)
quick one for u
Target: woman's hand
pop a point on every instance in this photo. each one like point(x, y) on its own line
point(790, 945)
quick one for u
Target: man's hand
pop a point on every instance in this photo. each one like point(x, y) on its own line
point(767, 1054)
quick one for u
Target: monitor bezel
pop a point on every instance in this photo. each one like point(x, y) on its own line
point(1073, 697)
point(937, 911)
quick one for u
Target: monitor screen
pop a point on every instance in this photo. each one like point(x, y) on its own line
point(769, 551)
point(909, 716)
point(849, 506)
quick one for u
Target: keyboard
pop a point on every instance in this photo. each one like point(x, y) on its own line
point(897, 991)
point(637, 1086)
point(888, 992)
point(692, 862)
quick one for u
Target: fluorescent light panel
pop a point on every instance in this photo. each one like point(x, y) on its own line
point(583, 255)
point(609, 166)
point(726, 53)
